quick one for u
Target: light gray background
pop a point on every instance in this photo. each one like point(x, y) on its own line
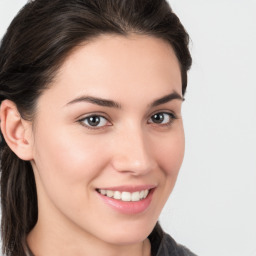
point(212, 209)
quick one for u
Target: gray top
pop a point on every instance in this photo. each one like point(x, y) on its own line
point(169, 247)
point(163, 244)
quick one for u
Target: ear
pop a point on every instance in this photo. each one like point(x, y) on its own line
point(17, 132)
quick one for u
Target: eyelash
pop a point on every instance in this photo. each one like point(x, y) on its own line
point(87, 118)
point(171, 117)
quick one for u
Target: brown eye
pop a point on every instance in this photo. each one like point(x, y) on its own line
point(162, 118)
point(94, 121)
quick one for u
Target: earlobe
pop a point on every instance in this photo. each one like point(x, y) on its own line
point(16, 131)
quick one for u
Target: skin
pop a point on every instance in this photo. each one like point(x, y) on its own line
point(71, 159)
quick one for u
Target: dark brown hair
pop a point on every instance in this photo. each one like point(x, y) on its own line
point(35, 45)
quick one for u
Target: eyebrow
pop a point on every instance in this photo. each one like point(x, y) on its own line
point(172, 96)
point(97, 101)
point(112, 104)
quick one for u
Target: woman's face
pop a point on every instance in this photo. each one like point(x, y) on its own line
point(109, 140)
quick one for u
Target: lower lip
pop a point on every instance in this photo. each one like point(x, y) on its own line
point(129, 207)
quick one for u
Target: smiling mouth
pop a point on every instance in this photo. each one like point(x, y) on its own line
point(125, 196)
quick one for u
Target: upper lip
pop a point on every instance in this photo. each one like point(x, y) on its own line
point(129, 188)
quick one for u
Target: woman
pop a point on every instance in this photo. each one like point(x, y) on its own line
point(91, 95)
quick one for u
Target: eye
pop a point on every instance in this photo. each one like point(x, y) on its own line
point(162, 118)
point(94, 121)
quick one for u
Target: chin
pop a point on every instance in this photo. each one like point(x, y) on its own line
point(128, 239)
point(131, 234)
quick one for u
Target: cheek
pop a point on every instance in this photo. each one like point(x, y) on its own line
point(66, 162)
point(170, 154)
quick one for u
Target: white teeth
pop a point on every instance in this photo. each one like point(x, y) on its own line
point(110, 193)
point(103, 192)
point(145, 193)
point(125, 196)
point(135, 196)
point(117, 195)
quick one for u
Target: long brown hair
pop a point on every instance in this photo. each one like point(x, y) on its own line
point(35, 45)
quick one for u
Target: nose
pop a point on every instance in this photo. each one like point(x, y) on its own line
point(133, 153)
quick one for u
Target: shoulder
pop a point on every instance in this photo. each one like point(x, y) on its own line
point(169, 247)
point(163, 244)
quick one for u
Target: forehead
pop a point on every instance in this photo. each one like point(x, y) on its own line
point(118, 48)
point(110, 64)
